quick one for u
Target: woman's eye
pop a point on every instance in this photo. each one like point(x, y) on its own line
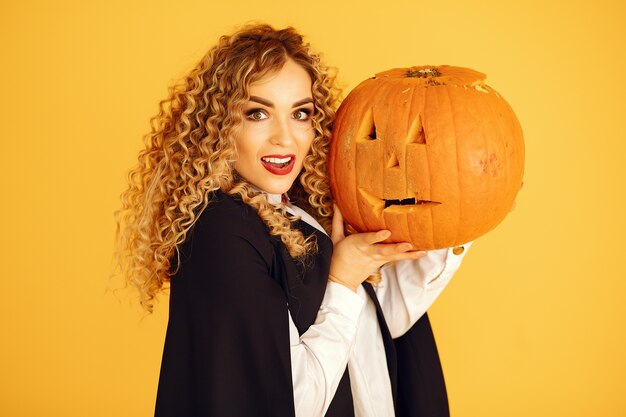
point(302, 114)
point(256, 114)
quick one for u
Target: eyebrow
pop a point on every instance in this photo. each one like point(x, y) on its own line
point(270, 104)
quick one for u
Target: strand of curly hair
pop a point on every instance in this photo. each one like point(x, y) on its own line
point(190, 149)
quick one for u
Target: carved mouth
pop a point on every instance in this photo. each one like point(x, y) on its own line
point(408, 202)
point(396, 205)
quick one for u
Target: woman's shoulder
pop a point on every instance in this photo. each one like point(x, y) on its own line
point(227, 250)
point(227, 219)
point(225, 208)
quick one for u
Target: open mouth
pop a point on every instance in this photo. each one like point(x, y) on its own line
point(396, 205)
point(279, 164)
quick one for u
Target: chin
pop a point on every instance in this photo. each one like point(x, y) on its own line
point(274, 187)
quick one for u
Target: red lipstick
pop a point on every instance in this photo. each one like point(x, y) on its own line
point(279, 164)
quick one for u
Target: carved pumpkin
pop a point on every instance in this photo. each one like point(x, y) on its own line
point(431, 153)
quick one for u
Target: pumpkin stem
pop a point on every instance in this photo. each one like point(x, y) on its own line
point(423, 73)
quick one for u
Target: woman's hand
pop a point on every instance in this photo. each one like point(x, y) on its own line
point(358, 256)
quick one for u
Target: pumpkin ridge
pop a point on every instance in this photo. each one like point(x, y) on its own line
point(356, 185)
point(504, 139)
point(421, 98)
point(420, 115)
point(369, 110)
point(502, 143)
point(387, 93)
point(456, 158)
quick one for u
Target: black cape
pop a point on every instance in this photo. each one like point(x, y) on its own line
point(227, 344)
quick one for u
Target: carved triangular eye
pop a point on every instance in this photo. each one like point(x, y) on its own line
point(372, 134)
point(367, 129)
point(416, 132)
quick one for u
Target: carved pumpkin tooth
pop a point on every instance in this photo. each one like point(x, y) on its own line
point(376, 203)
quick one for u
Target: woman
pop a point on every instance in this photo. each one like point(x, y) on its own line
point(268, 315)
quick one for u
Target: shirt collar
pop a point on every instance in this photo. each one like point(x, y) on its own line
point(277, 199)
point(274, 199)
point(282, 200)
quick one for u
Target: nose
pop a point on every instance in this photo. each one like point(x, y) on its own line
point(281, 133)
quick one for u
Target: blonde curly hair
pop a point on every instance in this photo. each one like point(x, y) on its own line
point(190, 151)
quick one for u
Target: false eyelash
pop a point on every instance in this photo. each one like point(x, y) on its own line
point(251, 111)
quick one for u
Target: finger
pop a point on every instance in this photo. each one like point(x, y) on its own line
point(337, 232)
point(403, 256)
point(390, 249)
point(374, 237)
point(407, 256)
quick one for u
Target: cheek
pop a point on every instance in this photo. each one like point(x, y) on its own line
point(246, 145)
point(305, 140)
point(305, 150)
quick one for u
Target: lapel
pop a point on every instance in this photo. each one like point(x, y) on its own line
point(390, 350)
point(304, 282)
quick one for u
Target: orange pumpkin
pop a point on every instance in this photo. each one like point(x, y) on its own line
point(431, 153)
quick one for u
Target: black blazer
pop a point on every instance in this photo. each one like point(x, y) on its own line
point(227, 344)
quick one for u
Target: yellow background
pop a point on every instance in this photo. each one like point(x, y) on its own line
point(532, 325)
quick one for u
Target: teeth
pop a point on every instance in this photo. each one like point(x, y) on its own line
point(277, 160)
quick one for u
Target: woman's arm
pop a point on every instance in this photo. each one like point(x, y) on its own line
point(320, 355)
point(409, 287)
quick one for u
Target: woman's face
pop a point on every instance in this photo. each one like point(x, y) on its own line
point(277, 130)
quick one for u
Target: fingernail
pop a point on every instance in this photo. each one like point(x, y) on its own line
point(406, 246)
point(385, 234)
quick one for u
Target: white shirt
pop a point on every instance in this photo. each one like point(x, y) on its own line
point(346, 331)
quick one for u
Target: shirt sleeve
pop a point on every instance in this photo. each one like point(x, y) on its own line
point(320, 355)
point(408, 288)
